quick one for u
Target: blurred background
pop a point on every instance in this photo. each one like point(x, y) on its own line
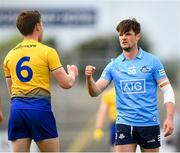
point(83, 32)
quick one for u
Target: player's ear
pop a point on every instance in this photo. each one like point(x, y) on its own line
point(138, 36)
point(38, 27)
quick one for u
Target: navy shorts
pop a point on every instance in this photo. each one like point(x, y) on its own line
point(112, 133)
point(34, 124)
point(147, 137)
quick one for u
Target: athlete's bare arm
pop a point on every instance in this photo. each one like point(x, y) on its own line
point(66, 80)
point(94, 88)
point(9, 84)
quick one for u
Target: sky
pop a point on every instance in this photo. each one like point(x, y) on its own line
point(160, 21)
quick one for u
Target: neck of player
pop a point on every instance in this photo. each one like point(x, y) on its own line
point(131, 54)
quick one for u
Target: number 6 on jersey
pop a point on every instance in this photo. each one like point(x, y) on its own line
point(20, 68)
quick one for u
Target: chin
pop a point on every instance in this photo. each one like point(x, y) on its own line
point(126, 49)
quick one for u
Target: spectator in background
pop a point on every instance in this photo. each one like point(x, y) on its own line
point(107, 107)
point(27, 69)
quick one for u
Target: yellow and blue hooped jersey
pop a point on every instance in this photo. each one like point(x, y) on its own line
point(29, 65)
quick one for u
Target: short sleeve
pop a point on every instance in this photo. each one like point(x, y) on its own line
point(6, 69)
point(53, 60)
point(159, 71)
point(106, 74)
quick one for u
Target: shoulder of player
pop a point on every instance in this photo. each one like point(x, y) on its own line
point(112, 62)
point(150, 55)
point(117, 59)
point(9, 53)
point(46, 48)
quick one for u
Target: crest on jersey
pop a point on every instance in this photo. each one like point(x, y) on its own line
point(144, 69)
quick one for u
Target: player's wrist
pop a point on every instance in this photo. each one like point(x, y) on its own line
point(99, 131)
point(98, 128)
point(170, 117)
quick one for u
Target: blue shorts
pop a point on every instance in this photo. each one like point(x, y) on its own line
point(112, 133)
point(147, 137)
point(29, 123)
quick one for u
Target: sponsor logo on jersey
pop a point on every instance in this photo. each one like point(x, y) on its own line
point(133, 86)
point(132, 70)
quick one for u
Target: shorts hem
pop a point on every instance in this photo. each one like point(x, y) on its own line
point(125, 143)
point(40, 139)
point(138, 125)
point(21, 137)
point(151, 147)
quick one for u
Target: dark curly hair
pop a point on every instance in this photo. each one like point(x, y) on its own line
point(127, 25)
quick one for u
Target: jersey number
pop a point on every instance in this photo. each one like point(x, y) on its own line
point(20, 68)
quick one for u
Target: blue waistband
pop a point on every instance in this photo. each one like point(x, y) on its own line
point(40, 103)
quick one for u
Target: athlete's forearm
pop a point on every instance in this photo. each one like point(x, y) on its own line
point(72, 74)
point(72, 78)
point(92, 88)
point(170, 109)
point(65, 80)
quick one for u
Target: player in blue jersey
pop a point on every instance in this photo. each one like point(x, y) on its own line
point(136, 75)
point(27, 69)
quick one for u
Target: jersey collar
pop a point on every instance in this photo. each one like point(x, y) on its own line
point(139, 56)
point(30, 41)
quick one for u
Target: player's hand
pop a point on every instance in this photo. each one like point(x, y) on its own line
point(1, 116)
point(98, 134)
point(168, 127)
point(72, 69)
point(89, 70)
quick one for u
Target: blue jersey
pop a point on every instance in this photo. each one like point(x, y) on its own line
point(136, 88)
